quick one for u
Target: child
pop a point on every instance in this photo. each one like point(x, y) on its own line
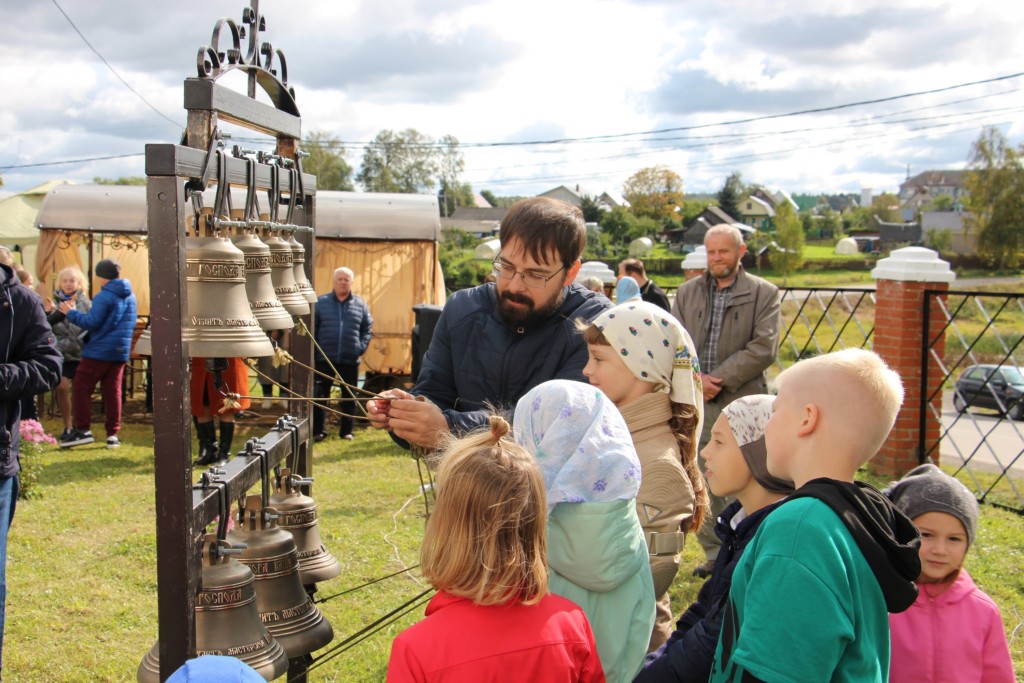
point(809, 597)
point(596, 551)
point(483, 550)
point(642, 359)
point(70, 338)
point(953, 631)
point(209, 401)
point(626, 289)
point(736, 466)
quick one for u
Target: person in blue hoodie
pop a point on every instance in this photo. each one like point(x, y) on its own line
point(111, 324)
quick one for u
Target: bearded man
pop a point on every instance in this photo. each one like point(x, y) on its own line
point(733, 319)
point(495, 342)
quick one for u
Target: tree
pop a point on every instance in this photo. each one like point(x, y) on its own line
point(789, 237)
point(123, 180)
point(692, 208)
point(995, 200)
point(730, 194)
point(654, 192)
point(450, 165)
point(489, 196)
point(398, 162)
point(591, 209)
point(326, 161)
point(622, 226)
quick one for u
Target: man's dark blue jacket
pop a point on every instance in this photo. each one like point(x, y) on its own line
point(476, 360)
point(29, 360)
point(343, 328)
point(110, 321)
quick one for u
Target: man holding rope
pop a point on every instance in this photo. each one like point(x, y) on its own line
point(495, 342)
point(342, 328)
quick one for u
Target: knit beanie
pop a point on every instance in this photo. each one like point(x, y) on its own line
point(108, 269)
point(747, 417)
point(926, 488)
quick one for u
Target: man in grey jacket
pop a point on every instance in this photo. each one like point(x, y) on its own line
point(733, 319)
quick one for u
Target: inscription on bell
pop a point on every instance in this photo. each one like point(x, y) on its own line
point(223, 322)
point(215, 270)
point(303, 517)
point(258, 263)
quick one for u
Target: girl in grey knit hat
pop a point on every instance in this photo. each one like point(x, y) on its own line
point(953, 631)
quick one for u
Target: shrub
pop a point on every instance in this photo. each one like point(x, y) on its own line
point(33, 438)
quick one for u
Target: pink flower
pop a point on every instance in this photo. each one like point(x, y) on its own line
point(33, 432)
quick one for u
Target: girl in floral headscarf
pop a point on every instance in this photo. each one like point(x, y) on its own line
point(597, 556)
point(643, 360)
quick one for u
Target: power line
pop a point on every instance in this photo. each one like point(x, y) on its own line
point(112, 70)
point(75, 161)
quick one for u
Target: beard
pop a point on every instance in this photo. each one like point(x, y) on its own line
point(725, 271)
point(533, 314)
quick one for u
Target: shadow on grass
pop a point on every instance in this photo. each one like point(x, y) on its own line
point(57, 472)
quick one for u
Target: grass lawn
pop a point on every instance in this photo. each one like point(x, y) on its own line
point(81, 567)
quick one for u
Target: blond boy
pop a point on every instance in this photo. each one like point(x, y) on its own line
point(810, 596)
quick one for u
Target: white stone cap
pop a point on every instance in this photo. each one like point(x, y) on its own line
point(696, 259)
point(596, 269)
point(913, 264)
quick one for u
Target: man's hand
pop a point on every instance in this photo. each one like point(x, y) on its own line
point(418, 422)
point(712, 385)
point(48, 304)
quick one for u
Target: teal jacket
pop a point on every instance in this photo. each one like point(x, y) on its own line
point(598, 559)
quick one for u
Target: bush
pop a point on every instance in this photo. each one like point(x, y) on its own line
point(33, 438)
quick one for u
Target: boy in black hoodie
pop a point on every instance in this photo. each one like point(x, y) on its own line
point(810, 597)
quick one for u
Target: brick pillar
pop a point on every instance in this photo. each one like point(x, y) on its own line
point(898, 338)
point(695, 263)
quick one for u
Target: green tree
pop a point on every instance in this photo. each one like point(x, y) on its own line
point(621, 226)
point(655, 192)
point(884, 207)
point(398, 162)
point(730, 194)
point(943, 202)
point(592, 210)
point(123, 180)
point(489, 196)
point(692, 208)
point(326, 161)
point(450, 166)
point(789, 236)
point(995, 200)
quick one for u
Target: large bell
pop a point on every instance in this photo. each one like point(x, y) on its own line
point(297, 514)
point(283, 274)
point(284, 606)
point(259, 285)
point(299, 270)
point(227, 620)
point(220, 323)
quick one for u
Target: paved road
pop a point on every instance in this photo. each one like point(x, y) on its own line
point(993, 443)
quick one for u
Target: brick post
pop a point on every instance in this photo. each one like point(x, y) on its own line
point(899, 320)
point(695, 263)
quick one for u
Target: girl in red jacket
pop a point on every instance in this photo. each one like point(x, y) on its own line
point(484, 551)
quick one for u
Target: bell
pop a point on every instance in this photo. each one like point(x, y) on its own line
point(220, 323)
point(299, 270)
point(259, 286)
point(227, 621)
point(297, 514)
point(283, 274)
point(284, 606)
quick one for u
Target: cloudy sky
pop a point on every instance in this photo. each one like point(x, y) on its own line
point(599, 88)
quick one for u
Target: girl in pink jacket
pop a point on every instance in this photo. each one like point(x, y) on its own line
point(953, 632)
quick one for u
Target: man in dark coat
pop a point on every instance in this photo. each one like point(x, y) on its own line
point(649, 290)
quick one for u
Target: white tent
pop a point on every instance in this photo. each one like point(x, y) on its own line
point(488, 250)
point(641, 247)
point(847, 245)
point(18, 214)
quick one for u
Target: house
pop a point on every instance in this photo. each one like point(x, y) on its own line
point(757, 212)
point(480, 222)
point(898, 233)
point(963, 241)
point(692, 234)
point(606, 200)
point(923, 188)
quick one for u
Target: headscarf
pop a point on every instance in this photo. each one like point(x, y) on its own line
point(747, 417)
point(626, 289)
point(580, 441)
point(656, 348)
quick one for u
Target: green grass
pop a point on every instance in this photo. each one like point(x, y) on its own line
point(82, 580)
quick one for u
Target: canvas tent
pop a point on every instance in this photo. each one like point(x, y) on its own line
point(18, 220)
point(388, 240)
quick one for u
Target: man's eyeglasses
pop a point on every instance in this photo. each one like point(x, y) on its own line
point(507, 272)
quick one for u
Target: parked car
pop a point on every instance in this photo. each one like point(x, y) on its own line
point(998, 387)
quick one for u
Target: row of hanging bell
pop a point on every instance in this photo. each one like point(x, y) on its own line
point(228, 622)
point(285, 607)
point(237, 288)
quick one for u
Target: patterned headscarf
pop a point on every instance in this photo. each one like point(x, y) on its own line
point(656, 348)
point(626, 289)
point(580, 441)
point(747, 417)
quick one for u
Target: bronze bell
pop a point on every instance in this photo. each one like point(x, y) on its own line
point(284, 606)
point(299, 269)
point(297, 514)
point(227, 620)
point(220, 323)
point(259, 285)
point(283, 274)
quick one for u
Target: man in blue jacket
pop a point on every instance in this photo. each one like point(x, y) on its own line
point(29, 364)
point(343, 328)
point(111, 324)
point(495, 342)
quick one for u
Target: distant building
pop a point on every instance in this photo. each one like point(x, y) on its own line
point(606, 200)
point(692, 234)
point(757, 212)
point(963, 242)
point(481, 222)
point(920, 190)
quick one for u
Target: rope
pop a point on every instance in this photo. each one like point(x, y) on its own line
point(368, 583)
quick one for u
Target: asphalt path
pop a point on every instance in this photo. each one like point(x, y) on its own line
point(990, 444)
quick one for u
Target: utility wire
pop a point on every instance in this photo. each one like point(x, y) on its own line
point(112, 69)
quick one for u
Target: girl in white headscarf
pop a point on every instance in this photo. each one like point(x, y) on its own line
point(597, 556)
point(644, 361)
